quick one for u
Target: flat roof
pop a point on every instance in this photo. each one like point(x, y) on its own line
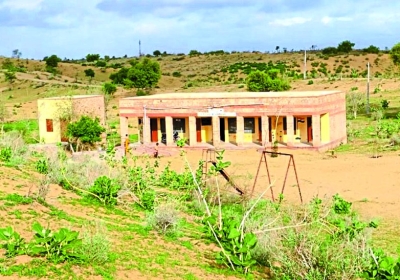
point(71, 97)
point(192, 95)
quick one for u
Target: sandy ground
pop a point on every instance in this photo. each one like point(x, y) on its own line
point(372, 184)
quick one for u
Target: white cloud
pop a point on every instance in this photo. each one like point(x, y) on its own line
point(114, 27)
point(327, 20)
point(21, 4)
point(290, 21)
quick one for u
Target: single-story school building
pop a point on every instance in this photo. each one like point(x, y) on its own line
point(312, 119)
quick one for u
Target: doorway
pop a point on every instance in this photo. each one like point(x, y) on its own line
point(309, 129)
point(198, 130)
point(260, 129)
point(222, 129)
point(154, 130)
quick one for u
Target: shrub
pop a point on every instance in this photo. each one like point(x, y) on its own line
point(96, 245)
point(310, 82)
point(305, 246)
point(164, 219)
point(261, 81)
point(106, 190)
point(176, 74)
point(85, 131)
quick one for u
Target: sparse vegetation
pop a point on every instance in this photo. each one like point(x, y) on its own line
point(120, 212)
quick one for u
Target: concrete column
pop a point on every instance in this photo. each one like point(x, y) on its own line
point(216, 134)
point(169, 130)
point(192, 131)
point(226, 130)
point(146, 130)
point(316, 130)
point(290, 130)
point(265, 130)
point(239, 130)
point(123, 122)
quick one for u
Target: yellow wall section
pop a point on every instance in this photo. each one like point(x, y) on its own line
point(325, 128)
point(159, 134)
point(206, 133)
point(226, 131)
point(302, 129)
point(51, 109)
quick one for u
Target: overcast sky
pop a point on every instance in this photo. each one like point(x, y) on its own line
point(74, 28)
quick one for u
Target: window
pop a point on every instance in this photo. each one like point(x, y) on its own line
point(232, 126)
point(179, 124)
point(49, 125)
point(205, 121)
point(249, 125)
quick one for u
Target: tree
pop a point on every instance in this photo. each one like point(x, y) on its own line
point(144, 74)
point(10, 76)
point(329, 50)
point(16, 54)
point(109, 88)
point(85, 131)
point(345, 46)
point(194, 53)
point(89, 73)
point(107, 58)
point(354, 100)
point(156, 53)
point(395, 54)
point(120, 76)
point(277, 48)
point(52, 61)
point(371, 49)
point(92, 57)
point(261, 81)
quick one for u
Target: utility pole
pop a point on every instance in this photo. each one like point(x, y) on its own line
point(305, 64)
point(140, 49)
point(367, 107)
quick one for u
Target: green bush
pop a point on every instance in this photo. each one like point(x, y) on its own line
point(5, 154)
point(260, 81)
point(86, 130)
point(106, 190)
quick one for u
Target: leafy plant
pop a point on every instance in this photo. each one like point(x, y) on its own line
point(5, 154)
point(236, 245)
point(57, 246)
point(106, 190)
point(341, 206)
point(382, 267)
point(42, 166)
point(385, 104)
point(14, 244)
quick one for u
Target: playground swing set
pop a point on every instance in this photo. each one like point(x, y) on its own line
point(209, 156)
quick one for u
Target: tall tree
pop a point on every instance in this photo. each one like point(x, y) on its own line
point(52, 61)
point(90, 74)
point(345, 46)
point(395, 54)
point(144, 74)
point(16, 54)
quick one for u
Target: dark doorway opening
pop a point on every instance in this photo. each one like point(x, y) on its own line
point(222, 129)
point(309, 129)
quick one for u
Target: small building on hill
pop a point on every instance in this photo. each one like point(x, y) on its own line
point(54, 114)
point(315, 120)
